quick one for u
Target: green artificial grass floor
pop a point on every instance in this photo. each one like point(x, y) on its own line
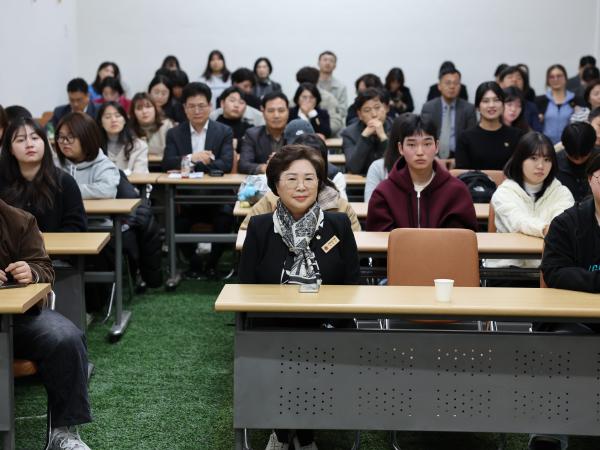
point(167, 385)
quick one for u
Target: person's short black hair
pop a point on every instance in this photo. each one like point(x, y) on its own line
point(328, 52)
point(409, 124)
point(532, 143)
point(272, 96)
point(499, 69)
point(450, 70)
point(230, 90)
point(112, 83)
point(78, 85)
point(590, 73)
point(243, 74)
point(488, 86)
point(593, 165)
point(196, 88)
point(14, 112)
point(267, 62)
point(307, 87)
point(593, 114)
point(179, 78)
point(578, 139)
point(308, 74)
point(587, 60)
point(370, 94)
point(370, 80)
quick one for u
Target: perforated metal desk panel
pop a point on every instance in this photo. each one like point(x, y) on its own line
point(416, 380)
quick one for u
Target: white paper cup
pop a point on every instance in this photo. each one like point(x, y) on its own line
point(443, 289)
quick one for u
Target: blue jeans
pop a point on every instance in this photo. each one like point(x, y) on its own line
point(59, 349)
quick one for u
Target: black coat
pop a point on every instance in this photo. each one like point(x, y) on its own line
point(67, 213)
point(264, 252)
point(219, 139)
point(255, 149)
point(572, 250)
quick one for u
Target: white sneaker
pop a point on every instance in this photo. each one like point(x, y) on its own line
point(66, 438)
point(297, 446)
point(274, 443)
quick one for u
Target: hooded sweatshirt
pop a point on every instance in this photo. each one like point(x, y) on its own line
point(96, 179)
point(444, 203)
point(572, 250)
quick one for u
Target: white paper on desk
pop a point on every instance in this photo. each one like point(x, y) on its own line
point(177, 175)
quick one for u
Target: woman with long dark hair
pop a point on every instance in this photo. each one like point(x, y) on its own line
point(106, 69)
point(129, 153)
point(400, 98)
point(263, 69)
point(147, 123)
point(216, 75)
point(29, 179)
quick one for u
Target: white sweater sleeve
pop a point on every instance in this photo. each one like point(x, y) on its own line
point(514, 211)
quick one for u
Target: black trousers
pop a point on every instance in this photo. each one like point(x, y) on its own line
point(219, 216)
point(60, 351)
point(305, 437)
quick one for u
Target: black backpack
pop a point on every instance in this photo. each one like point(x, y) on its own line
point(479, 184)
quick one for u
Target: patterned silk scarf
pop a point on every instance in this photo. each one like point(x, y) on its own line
point(300, 266)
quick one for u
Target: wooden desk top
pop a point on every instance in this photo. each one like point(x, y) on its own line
point(354, 180)
point(410, 300)
point(154, 159)
point(75, 243)
point(333, 142)
point(229, 179)
point(496, 243)
point(338, 159)
point(144, 178)
point(19, 300)
point(111, 206)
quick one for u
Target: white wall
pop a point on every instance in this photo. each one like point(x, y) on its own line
point(38, 52)
point(367, 36)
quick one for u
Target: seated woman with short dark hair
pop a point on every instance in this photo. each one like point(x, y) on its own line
point(299, 243)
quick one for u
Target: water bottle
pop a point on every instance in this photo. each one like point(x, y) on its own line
point(186, 166)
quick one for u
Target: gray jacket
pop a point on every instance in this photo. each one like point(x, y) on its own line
point(464, 118)
point(361, 151)
point(96, 179)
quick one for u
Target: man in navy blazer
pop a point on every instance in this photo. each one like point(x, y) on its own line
point(79, 101)
point(451, 114)
point(210, 147)
point(207, 142)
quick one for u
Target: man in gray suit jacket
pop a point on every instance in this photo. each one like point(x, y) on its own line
point(451, 114)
